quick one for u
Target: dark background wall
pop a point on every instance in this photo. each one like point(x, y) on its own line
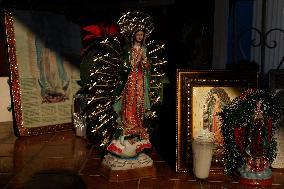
point(185, 28)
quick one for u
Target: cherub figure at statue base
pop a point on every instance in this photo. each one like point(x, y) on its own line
point(126, 160)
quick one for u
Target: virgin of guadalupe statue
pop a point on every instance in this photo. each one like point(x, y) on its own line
point(124, 86)
point(133, 101)
point(133, 96)
point(257, 164)
point(248, 127)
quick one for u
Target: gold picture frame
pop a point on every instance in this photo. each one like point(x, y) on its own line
point(44, 58)
point(195, 90)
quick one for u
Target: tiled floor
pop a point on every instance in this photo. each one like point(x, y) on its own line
point(64, 161)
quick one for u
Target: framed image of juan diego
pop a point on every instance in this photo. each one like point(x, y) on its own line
point(200, 97)
point(44, 57)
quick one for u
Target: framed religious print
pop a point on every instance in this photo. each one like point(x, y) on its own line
point(200, 96)
point(44, 58)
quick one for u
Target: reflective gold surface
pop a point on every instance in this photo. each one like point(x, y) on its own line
point(62, 160)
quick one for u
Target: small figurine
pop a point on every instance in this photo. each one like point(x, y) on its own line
point(248, 127)
point(257, 164)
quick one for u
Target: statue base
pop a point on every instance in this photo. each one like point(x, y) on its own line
point(255, 182)
point(117, 169)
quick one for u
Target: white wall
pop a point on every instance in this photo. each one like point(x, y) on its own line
point(5, 100)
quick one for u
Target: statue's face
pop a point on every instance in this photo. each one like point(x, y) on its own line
point(139, 36)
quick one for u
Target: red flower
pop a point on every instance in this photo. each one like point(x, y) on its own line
point(97, 31)
point(94, 30)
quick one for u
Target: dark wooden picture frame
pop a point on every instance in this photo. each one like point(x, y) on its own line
point(193, 89)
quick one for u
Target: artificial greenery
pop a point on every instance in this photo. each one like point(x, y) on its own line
point(238, 115)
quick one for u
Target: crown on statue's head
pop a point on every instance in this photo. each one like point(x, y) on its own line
point(132, 22)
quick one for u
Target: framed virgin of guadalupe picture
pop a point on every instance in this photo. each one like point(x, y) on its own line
point(200, 96)
point(44, 58)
